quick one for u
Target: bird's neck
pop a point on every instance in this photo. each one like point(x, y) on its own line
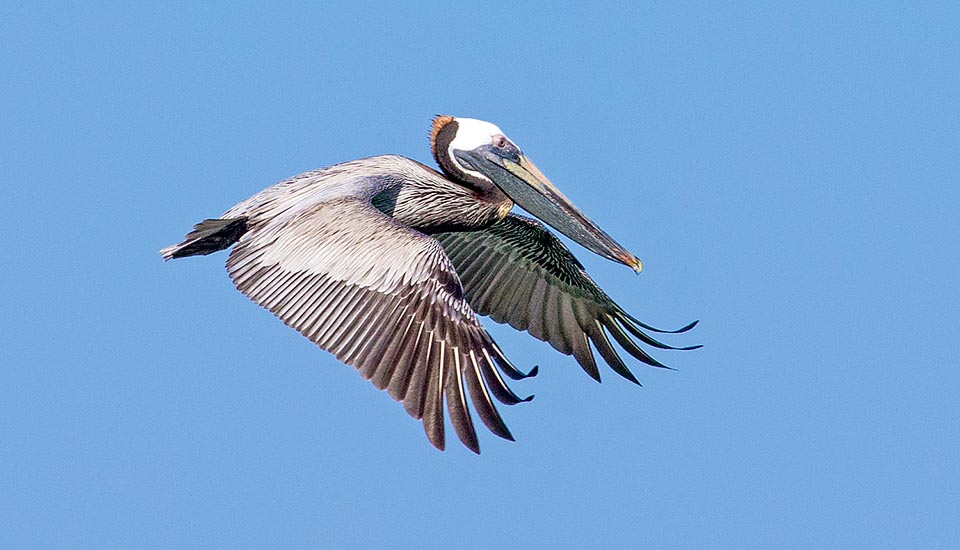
point(442, 205)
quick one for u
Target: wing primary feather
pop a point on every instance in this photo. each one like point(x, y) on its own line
point(292, 296)
point(628, 323)
point(246, 277)
point(520, 301)
point(482, 401)
point(358, 320)
point(605, 348)
point(398, 342)
point(500, 302)
point(526, 310)
point(455, 391)
point(433, 402)
point(481, 291)
point(315, 327)
point(368, 353)
point(326, 320)
point(585, 321)
point(500, 390)
point(242, 262)
point(352, 329)
point(373, 331)
point(310, 300)
point(526, 304)
point(422, 370)
point(259, 277)
point(626, 343)
point(276, 296)
point(567, 322)
point(552, 321)
point(457, 402)
point(406, 363)
point(632, 348)
point(270, 288)
point(330, 336)
point(507, 366)
point(584, 356)
point(639, 323)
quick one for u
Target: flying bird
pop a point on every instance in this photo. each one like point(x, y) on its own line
point(386, 263)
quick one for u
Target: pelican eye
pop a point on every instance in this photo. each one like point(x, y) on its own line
point(500, 141)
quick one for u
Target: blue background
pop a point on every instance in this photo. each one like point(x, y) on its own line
point(787, 173)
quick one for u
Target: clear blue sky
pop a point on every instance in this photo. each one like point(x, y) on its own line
point(788, 174)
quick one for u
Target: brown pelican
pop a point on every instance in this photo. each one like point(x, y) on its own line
point(386, 263)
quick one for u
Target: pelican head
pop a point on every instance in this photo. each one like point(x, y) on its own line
point(478, 153)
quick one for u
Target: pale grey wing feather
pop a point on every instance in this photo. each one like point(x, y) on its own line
point(518, 272)
point(384, 299)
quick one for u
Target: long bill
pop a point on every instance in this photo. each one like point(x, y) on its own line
point(526, 185)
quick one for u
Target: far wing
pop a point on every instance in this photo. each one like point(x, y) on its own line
point(518, 272)
point(382, 298)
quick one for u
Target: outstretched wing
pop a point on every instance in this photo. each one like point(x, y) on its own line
point(384, 299)
point(518, 272)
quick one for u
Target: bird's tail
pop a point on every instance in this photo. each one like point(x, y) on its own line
point(207, 237)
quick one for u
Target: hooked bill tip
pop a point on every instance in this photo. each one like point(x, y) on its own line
point(634, 263)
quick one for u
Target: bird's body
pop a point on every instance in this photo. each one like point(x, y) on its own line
point(411, 193)
point(385, 262)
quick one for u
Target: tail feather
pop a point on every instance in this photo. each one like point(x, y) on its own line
point(207, 237)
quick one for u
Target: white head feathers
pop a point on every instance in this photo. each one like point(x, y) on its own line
point(472, 133)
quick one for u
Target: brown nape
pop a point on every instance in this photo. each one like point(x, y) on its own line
point(439, 122)
point(444, 130)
